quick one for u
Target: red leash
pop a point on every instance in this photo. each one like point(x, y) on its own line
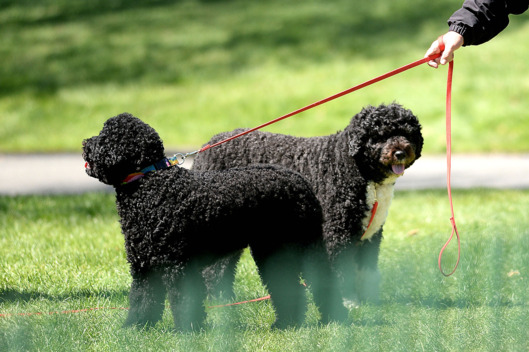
point(243, 302)
point(449, 163)
point(326, 100)
point(448, 171)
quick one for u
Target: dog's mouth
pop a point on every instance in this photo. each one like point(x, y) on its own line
point(398, 169)
point(88, 168)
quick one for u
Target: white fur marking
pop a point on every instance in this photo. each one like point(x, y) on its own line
point(383, 193)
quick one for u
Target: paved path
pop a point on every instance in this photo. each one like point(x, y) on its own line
point(64, 173)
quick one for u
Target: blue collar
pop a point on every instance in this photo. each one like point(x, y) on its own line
point(160, 165)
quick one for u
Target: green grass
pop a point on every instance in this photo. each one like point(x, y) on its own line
point(195, 68)
point(61, 253)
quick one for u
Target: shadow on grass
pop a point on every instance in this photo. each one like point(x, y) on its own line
point(109, 47)
point(8, 296)
point(459, 303)
point(73, 10)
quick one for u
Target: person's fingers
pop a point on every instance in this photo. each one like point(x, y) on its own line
point(452, 42)
point(433, 64)
point(434, 49)
point(447, 56)
point(445, 45)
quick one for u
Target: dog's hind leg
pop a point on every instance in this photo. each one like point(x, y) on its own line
point(187, 292)
point(280, 271)
point(219, 277)
point(146, 299)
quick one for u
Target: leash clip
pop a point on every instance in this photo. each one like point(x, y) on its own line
point(180, 158)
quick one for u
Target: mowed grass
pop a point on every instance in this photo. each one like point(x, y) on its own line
point(63, 253)
point(195, 68)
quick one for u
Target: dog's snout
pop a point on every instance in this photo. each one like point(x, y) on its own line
point(400, 155)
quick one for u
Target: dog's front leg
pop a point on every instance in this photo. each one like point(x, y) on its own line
point(368, 275)
point(357, 266)
point(146, 299)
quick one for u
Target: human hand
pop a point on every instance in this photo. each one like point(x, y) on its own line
point(445, 45)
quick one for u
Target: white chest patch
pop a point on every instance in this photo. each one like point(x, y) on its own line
point(383, 194)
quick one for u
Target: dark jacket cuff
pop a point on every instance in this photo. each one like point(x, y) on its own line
point(463, 31)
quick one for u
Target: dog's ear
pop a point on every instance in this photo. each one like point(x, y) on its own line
point(356, 131)
point(356, 134)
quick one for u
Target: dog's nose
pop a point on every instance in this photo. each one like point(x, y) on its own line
point(400, 155)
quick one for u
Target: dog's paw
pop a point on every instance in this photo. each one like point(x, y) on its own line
point(351, 303)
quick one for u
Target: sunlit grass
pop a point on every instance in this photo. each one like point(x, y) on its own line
point(63, 253)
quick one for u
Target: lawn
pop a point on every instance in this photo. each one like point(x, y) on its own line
point(193, 68)
point(63, 253)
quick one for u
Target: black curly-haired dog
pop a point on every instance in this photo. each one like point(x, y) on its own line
point(179, 224)
point(349, 171)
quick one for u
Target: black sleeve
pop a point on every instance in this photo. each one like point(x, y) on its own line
point(480, 20)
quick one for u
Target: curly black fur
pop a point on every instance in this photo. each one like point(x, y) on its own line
point(341, 168)
point(180, 224)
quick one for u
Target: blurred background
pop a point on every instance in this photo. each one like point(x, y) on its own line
point(194, 68)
